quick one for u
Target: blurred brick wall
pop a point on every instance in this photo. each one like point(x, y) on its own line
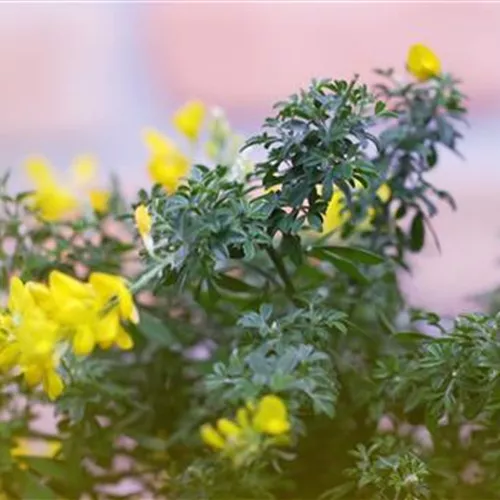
point(56, 64)
point(246, 56)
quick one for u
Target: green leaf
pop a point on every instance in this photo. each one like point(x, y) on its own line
point(47, 467)
point(344, 265)
point(417, 233)
point(356, 254)
point(155, 330)
point(233, 284)
point(379, 107)
point(34, 489)
point(411, 336)
point(432, 156)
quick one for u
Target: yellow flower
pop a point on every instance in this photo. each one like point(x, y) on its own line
point(41, 319)
point(52, 201)
point(422, 62)
point(228, 429)
point(89, 313)
point(336, 215)
point(167, 165)
point(384, 193)
point(189, 119)
point(256, 427)
point(31, 341)
point(35, 448)
point(55, 200)
point(25, 447)
point(99, 200)
point(271, 416)
point(211, 437)
point(143, 221)
point(110, 288)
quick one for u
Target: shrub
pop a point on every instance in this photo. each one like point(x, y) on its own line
point(238, 331)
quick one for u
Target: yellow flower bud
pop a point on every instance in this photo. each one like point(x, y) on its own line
point(189, 119)
point(211, 437)
point(227, 428)
point(143, 221)
point(384, 193)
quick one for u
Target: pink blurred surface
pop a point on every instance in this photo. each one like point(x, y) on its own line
point(79, 78)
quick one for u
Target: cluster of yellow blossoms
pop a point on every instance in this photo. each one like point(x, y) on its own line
point(256, 427)
point(167, 164)
point(42, 321)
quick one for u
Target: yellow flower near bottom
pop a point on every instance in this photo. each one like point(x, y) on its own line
point(271, 416)
point(256, 426)
point(422, 62)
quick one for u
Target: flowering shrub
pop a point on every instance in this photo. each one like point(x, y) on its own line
point(238, 331)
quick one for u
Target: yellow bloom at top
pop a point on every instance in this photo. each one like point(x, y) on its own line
point(188, 120)
point(422, 62)
point(167, 165)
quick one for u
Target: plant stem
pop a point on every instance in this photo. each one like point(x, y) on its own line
point(280, 267)
point(147, 277)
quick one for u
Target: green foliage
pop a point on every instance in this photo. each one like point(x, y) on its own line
point(317, 142)
point(427, 117)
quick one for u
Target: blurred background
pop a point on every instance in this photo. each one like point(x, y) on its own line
point(85, 78)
